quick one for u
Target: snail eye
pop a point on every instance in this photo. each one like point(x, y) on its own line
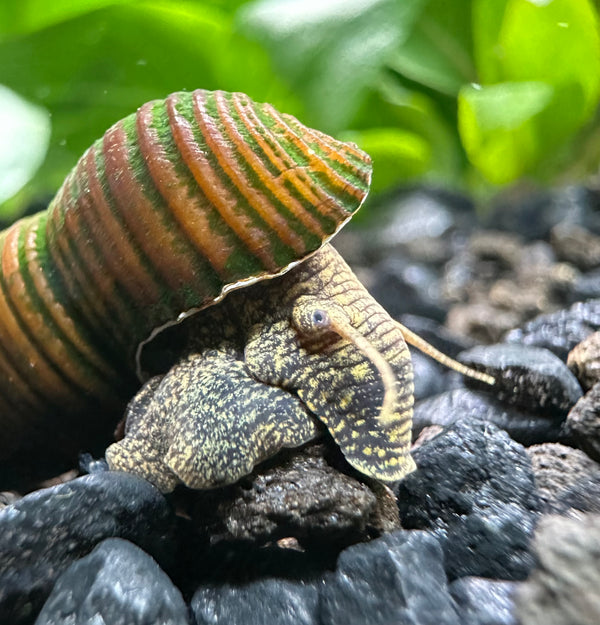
point(320, 318)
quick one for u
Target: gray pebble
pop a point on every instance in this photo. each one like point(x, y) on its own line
point(582, 496)
point(559, 331)
point(558, 468)
point(531, 378)
point(475, 487)
point(583, 423)
point(398, 578)
point(446, 408)
point(46, 531)
point(261, 602)
point(116, 584)
point(482, 601)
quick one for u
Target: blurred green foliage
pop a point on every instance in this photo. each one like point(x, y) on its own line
point(469, 93)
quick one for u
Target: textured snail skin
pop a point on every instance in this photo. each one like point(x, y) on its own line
point(177, 205)
point(251, 385)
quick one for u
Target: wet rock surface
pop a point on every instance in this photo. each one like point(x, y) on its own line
point(482, 601)
point(305, 539)
point(46, 531)
point(583, 423)
point(277, 601)
point(398, 578)
point(530, 378)
point(445, 408)
point(302, 496)
point(559, 331)
point(116, 584)
point(474, 487)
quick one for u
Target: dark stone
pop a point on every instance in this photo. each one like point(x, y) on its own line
point(446, 408)
point(533, 212)
point(557, 468)
point(438, 335)
point(475, 487)
point(416, 223)
point(578, 205)
point(398, 578)
point(403, 286)
point(528, 377)
point(265, 601)
point(481, 601)
point(583, 423)
point(429, 376)
point(116, 584)
point(559, 331)
point(521, 211)
point(563, 588)
point(300, 495)
point(587, 286)
point(44, 532)
point(493, 541)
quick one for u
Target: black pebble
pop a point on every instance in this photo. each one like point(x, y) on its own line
point(559, 331)
point(116, 584)
point(398, 578)
point(475, 487)
point(446, 408)
point(46, 531)
point(531, 378)
point(483, 601)
point(265, 602)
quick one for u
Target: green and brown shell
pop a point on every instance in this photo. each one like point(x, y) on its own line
point(178, 204)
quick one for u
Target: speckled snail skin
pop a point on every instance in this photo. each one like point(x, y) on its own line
point(208, 202)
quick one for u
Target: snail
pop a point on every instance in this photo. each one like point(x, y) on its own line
point(210, 204)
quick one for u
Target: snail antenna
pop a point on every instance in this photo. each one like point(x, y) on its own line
point(422, 345)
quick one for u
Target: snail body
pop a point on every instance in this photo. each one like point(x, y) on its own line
point(200, 202)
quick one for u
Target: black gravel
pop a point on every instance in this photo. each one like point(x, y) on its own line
point(497, 526)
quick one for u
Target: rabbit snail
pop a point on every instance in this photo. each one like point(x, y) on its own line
point(205, 203)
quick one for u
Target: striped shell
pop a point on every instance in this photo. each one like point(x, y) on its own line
point(177, 204)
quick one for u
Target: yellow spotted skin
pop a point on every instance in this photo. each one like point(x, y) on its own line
point(259, 379)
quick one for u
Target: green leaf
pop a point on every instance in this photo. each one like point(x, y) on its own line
point(497, 124)
point(94, 69)
point(555, 41)
point(24, 135)
point(330, 51)
point(438, 52)
point(27, 16)
point(397, 156)
point(415, 113)
point(543, 42)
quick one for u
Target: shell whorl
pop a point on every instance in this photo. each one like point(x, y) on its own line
point(183, 200)
point(195, 193)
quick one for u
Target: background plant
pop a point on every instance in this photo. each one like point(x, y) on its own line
point(468, 93)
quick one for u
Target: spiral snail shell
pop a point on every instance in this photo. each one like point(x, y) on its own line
point(178, 204)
